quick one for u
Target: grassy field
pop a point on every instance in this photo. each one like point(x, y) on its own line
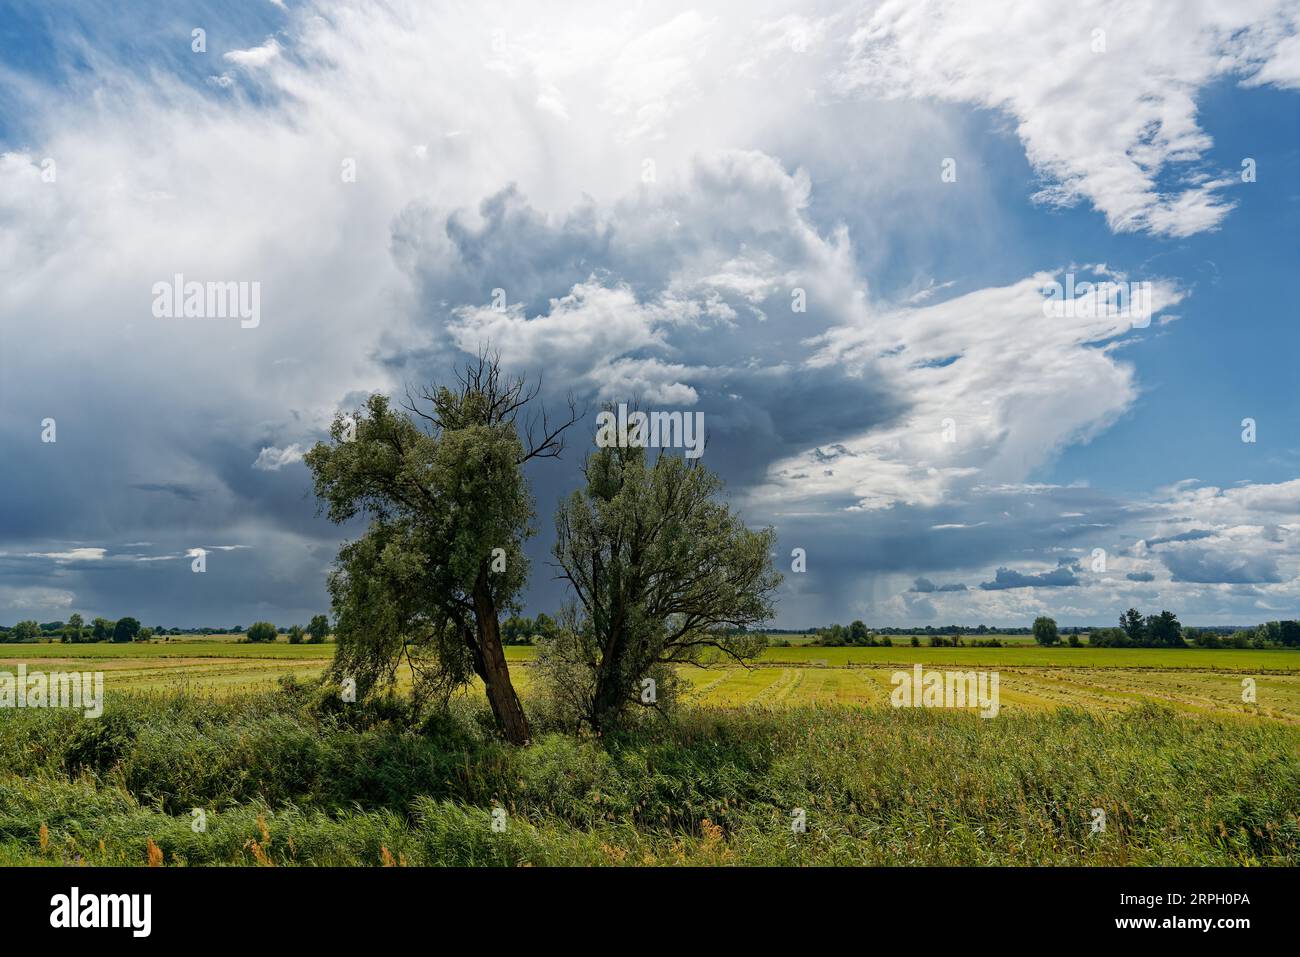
point(1160, 740)
point(1032, 678)
point(280, 782)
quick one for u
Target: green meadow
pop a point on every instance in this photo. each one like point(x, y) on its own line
point(1161, 741)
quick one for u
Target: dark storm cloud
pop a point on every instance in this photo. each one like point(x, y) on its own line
point(923, 586)
point(1192, 535)
point(1063, 576)
point(1206, 566)
point(1140, 577)
point(170, 488)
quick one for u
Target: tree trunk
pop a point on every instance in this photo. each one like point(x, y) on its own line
point(608, 699)
point(506, 708)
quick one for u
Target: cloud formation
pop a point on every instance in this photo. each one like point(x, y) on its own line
point(710, 210)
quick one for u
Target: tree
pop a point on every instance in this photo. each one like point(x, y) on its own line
point(295, 634)
point(1131, 622)
point(1045, 632)
point(1164, 631)
point(126, 629)
point(145, 634)
point(517, 630)
point(102, 629)
point(662, 573)
point(260, 631)
point(26, 631)
point(75, 628)
point(544, 627)
point(442, 482)
point(318, 628)
point(857, 633)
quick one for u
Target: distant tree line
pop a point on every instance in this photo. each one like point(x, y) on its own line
point(1165, 631)
point(855, 634)
point(76, 631)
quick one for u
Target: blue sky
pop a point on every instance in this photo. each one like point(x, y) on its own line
point(648, 187)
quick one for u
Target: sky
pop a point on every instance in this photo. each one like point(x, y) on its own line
point(832, 228)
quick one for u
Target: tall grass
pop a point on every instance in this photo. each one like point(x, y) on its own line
point(285, 781)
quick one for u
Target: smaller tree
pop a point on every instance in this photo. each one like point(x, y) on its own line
point(26, 631)
point(126, 629)
point(318, 628)
point(664, 575)
point(295, 635)
point(145, 634)
point(1045, 632)
point(75, 628)
point(517, 630)
point(261, 631)
point(1131, 622)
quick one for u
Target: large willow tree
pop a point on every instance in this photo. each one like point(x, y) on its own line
point(441, 479)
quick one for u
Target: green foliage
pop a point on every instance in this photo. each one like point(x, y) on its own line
point(126, 629)
point(102, 629)
point(1045, 632)
point(449, 509)
point(25, 631)
point(1133, 625)
point(260, 631)
point(75, 630)
point(661, 572)
point(1109, 638)
point(317, 629)
point(855, 635)
point(1164, 631)
point(712, 787)
point(295, 634)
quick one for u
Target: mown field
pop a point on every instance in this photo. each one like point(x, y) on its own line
point(1031, 678)
point(282, 774)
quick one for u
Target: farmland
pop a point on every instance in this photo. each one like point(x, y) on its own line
point(1032, 678)
point(1159, 740)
